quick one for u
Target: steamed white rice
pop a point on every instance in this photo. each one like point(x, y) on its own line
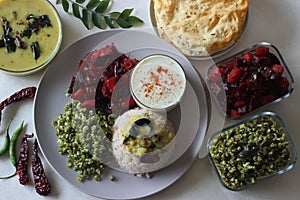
point(130, 162)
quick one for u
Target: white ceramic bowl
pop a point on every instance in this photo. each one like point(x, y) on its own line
point(158, 82)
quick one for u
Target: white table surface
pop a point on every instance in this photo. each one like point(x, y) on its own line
point(275, 21)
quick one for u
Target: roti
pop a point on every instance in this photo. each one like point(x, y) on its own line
point(200, 27)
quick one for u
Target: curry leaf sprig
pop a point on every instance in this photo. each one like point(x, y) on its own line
point(95, 12)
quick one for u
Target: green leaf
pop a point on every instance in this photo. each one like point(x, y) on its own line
point(80, 1)
point(114, 15)
point(36, 50)
point(65, 5)
point(76, 11)
point(133, 20)
point(126, 13)
point(102, 7)
point(98, 20)
point(86, 18)
point(122, 23)
point(92, 4)
point(91, 13)
point(109, 21)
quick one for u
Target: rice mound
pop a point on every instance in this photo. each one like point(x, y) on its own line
point(130, 162)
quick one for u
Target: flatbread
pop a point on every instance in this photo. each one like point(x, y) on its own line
point(200, 27)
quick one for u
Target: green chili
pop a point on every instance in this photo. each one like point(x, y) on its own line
point(6, 142)
point(12, 175)
point(11, 147)
point(13, 142)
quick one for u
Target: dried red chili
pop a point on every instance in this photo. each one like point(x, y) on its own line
point(41, 182)
point(25, 93)
point(22, 166)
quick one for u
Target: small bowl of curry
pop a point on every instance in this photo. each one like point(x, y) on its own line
point(30, 35)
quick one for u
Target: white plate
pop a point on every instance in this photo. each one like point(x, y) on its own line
point(50, 101)
point(215, 55)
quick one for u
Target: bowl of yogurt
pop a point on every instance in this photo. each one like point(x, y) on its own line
point(158, 83)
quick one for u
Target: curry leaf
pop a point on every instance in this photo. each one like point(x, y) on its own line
point(133, 20)
point(122, 23)
point(76, 11)
point(98, 20)
point(80, 1)
point(86, 17)
point(126, 13)
point(109, 21)
point(95, 12)
point(36, 50)
point(102, 7)
point(114, 15)
point(92, 4)
point(65, 5)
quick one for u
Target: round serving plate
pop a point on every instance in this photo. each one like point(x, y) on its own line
point(138, 45)
point(50, 101)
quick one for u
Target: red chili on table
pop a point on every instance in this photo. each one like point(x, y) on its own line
point(25, 93)
point(249, 81)
point(22, 166)
point(41, 182)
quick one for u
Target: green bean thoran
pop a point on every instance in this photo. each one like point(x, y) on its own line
point(249, 152)
point(6, 142)
point(81, 135)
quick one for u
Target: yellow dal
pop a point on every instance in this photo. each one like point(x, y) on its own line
point(48, 37)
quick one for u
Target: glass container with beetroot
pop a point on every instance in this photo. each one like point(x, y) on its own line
point(249, 80)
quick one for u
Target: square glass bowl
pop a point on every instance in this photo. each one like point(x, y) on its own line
point(249, 80)
point(252, 150)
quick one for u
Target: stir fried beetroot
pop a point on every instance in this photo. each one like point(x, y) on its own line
point(248, 81)
point(102, 81)
point(234, 75)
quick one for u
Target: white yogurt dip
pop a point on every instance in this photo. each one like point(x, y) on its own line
point(157, 82)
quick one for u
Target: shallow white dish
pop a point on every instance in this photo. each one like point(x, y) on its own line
point(50, 101)
point(215, 55)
